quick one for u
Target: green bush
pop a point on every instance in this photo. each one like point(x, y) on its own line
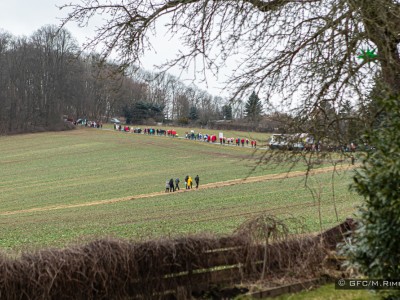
point(376, 244)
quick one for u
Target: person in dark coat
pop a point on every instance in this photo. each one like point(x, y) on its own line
point(171, 185)
point(197, 180)
point(186, 181)
point(177, 184)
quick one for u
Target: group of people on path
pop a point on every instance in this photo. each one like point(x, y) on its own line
point(222, 140)
point(238, 141)
point(147, 131)
point(172, 186)
point(189, 135)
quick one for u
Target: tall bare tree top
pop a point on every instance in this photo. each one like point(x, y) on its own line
point(307, 49)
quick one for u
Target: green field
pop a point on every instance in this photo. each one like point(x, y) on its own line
point(68, 187)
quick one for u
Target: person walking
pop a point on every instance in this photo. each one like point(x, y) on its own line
point(186, 182)
point(167, 186)
point(177, 184)
point(171, 185)
point(190, 182)
point(197, 180)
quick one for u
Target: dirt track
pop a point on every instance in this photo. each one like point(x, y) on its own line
point(204, 186)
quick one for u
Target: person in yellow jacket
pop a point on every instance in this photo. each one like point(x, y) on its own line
point(190, 182)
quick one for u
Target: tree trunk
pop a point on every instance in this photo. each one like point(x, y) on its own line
point(382, 24)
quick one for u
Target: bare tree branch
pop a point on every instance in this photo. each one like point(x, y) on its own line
point(304, 52)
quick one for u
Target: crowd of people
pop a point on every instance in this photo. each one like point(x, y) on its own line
point(222, 140)
point(147, 131)
point(172, 185)
point(87, 123)
point(210, 138)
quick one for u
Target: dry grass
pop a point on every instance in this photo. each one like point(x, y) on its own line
point(115, 269)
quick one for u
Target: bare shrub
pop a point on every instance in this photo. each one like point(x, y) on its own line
point(115, 269)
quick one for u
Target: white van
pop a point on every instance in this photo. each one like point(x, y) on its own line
point(294, 141)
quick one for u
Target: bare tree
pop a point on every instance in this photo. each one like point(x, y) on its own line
point(5, 41)
point(54, 50)
point(299, 49)
point(315, 55)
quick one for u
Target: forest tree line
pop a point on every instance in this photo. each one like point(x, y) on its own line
point(45, 77)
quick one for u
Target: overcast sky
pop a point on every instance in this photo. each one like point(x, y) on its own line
point(23, 17)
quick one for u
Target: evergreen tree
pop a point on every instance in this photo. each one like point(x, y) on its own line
point(227, 112)
point(141, 111)
point(253, 108)
point(375, 247)
point(193, 113)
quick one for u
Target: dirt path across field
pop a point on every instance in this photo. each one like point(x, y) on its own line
point(204, 186)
